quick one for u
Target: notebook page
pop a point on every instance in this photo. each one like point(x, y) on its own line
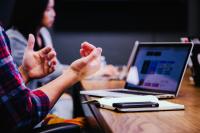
point(110, 101)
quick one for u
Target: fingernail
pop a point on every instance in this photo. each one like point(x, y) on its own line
point(99, 49)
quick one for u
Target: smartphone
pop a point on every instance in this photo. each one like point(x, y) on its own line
point(135, 104)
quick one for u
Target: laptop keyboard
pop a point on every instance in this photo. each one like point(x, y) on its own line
point(135, 92)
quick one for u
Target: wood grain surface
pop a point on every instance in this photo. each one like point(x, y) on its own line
point(183, 121)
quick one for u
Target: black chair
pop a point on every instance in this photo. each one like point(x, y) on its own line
point(74, 91)
point(58, 128)
point(53, 128)
point(196, 65)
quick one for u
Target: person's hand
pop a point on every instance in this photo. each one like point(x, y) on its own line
point(90, 61)
point(38, 64)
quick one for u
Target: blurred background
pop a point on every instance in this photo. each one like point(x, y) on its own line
point(115, 25)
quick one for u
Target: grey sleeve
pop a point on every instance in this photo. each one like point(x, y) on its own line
point(17, 50)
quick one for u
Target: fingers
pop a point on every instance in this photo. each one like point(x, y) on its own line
point(87, 46)
point(86, 49)
point(31, 42)
point(88, 64)
point(52, 63)
point(51, 57)
point(45, 51)
point(81, 63)
point(46, 66)
point(51, 69)
point(95, 54)
point(49, 66)
point(83, 54)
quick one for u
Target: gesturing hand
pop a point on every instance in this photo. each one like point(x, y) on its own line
point(38, 64)
point(90, 61)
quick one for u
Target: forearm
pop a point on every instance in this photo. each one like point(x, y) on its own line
point(56, 88)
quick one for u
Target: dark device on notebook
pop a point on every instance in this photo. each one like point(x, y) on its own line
point(135, 105)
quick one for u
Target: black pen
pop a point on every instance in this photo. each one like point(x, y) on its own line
point(135, 104)
point(89, 101)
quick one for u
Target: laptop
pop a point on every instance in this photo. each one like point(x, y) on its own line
point(154, 68)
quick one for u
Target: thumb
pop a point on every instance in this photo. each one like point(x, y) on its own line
point(31, 42)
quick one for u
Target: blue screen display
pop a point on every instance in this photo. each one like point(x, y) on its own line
point(158, 68)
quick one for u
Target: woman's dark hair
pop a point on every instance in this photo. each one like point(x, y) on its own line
point(27, 16)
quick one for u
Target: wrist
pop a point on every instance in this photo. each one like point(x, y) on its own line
point(72, 73)
point(24, 74)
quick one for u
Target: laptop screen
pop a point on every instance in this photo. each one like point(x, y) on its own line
point(158, 67)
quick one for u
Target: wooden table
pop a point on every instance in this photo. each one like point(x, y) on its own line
point(185, 121)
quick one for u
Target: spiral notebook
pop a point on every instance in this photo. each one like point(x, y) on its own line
point(164, 105)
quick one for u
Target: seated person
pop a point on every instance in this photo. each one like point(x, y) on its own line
point(21, 107)
point(35, 16)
